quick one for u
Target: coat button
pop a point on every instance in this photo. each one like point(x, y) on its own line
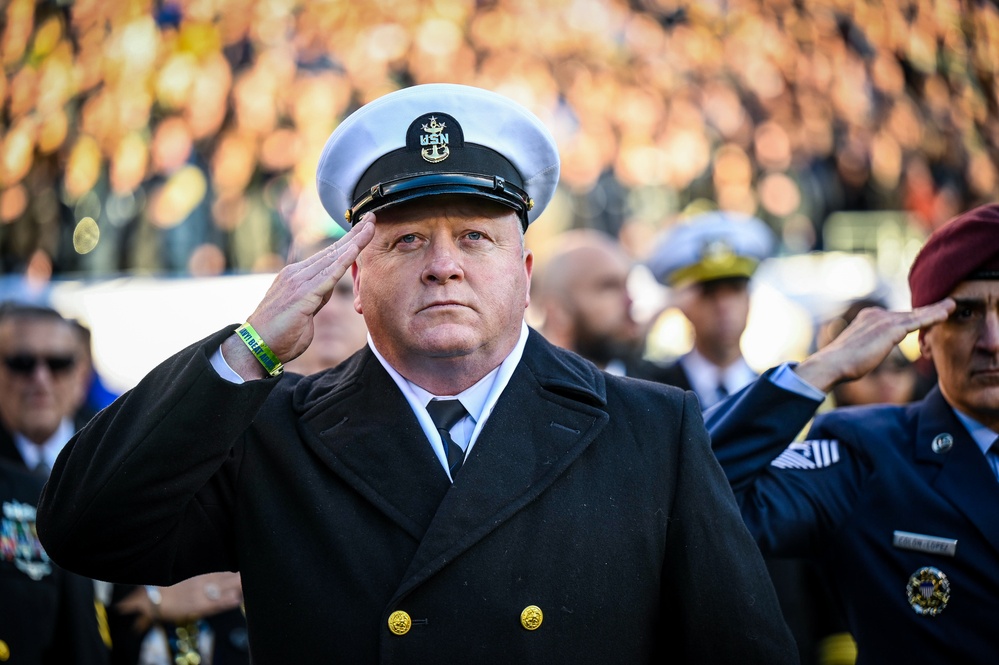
point(4, 651)
point(531, 617)
point(399, 622)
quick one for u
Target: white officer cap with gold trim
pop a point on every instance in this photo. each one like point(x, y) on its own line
point(438, 138)
point(710, 246)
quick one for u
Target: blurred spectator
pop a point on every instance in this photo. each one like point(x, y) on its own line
point(339, 329)
point(173, 138)
point(580, 294)
point(47, 614)
point(44, 376)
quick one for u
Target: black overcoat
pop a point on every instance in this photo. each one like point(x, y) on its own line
point(593, 498)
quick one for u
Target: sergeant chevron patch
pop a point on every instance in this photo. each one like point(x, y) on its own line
point(808, 455)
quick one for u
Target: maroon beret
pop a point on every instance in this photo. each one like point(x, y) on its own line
point(966, 247)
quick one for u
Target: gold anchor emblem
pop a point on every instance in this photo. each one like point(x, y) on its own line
point(436, 141)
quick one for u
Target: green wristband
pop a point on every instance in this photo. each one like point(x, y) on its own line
point(259, 349)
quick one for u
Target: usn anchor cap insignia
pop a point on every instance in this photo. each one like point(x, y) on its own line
point(928, 591)
point(435, 135)
point(435, 142)
point(942, 443)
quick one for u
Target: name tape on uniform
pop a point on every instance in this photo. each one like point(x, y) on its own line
point(922, 543)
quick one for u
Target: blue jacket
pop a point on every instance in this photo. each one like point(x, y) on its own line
point(850, 496)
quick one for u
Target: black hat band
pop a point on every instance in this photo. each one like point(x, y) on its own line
point(495, 188)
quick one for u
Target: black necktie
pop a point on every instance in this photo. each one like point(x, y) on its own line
point(42, 469)
point(446, 413)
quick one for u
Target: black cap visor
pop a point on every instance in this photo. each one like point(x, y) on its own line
point(399, 191)
point(478, 171)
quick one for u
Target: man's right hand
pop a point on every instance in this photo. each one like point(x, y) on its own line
point(284, 318)
point(866, 342)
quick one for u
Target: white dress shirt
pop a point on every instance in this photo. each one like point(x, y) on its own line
point(706, 377)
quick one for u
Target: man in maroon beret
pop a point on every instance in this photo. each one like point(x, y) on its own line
point(897, 505)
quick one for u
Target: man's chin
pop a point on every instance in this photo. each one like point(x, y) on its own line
point(448, 341)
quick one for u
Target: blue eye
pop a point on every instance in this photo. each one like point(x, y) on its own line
point(474, 235)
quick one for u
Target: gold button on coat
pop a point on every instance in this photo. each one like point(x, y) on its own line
point(531, 617)
point(4, 651)
point(399, 622)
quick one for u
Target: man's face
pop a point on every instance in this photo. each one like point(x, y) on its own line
point(42, 375)
point(965, 351)
point(600, 306)
point(718, 312)
point(444, 277)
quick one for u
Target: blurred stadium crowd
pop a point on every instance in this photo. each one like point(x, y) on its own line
point(182, 137)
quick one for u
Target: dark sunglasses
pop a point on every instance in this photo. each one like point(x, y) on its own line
point(25, 364)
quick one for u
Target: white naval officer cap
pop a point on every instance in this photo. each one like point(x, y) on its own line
point(710, 246)
point(438, 138)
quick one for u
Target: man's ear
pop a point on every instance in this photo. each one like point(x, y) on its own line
point(924, 346)
point(355, 274)
point(529, 269)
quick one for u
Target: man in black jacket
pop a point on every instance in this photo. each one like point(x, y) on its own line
point(560, 515)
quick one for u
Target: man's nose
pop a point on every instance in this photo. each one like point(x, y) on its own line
point(444, 261)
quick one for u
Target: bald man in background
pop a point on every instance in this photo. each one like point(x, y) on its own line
point(580, 294)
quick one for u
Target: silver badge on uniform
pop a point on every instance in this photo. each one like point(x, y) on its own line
point(928, 591)
point(942, 443)
point(19, 540)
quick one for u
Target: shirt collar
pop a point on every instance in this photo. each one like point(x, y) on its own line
point(982, 435)
point(705, 376)
point(33, 453)
point(479, 400)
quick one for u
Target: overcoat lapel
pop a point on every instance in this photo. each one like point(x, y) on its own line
point(530, 439)
point(965, 478)
point(362, 427)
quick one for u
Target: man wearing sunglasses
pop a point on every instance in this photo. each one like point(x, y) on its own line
point(43, 383)
point(47, 614)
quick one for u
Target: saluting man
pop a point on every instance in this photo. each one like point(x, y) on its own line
point(896, 504)
point(560, 514)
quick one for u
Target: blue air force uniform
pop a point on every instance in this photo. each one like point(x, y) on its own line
point(897, 505)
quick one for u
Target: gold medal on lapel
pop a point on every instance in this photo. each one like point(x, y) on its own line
point(928, 591)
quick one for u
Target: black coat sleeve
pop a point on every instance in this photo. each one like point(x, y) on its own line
point(154, 470)
point(715, 568)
